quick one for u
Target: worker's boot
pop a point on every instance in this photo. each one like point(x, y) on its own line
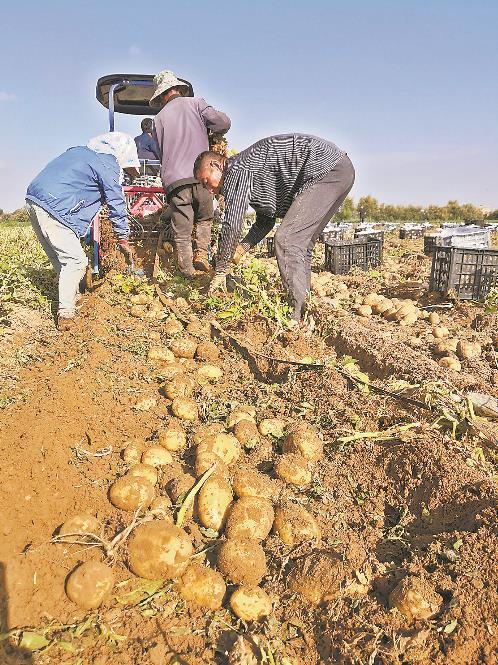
point(201, 260)
point(184, 259)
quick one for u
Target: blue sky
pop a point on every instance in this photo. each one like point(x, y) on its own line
point(407, 87)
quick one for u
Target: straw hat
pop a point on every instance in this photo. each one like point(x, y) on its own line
point(163, 82)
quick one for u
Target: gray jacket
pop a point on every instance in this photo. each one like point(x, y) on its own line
point(181, 132)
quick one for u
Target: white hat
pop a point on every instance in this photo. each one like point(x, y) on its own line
point(119, 144)
point(163, 82)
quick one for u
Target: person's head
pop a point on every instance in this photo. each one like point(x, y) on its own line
point(209, 170)
point(166, 85)
point(121, 146)
point(146, 125)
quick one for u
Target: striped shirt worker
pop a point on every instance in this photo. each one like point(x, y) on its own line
point(299, 178)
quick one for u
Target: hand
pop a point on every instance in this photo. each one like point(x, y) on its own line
point(239, 253)
point(127, 248)
point(219, 282)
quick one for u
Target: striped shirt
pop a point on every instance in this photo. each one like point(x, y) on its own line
point(268, 176)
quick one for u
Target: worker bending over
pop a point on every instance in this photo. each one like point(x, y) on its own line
point(300, 178)
point(65, 197)
point(181, 131)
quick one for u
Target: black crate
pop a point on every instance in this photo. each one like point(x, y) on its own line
point(340, 257)
point(470, 273)
point(270, 246)
point(410, 234)
point(429, 243)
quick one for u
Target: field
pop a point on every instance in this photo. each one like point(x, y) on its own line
point(401, 499)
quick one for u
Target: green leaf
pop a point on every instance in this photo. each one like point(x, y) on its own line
point(66, 646)
point(33, 641)
point(450, 627)
point(457, 544)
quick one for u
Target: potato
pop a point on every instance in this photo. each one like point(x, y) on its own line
point(154, 335)
point(178, 386)
point(468, 350)
point(172, 438)
point(225, 446)
point(250, 518)
point(450, 363)
point(440, 331)
point(390, 314)
point(272, 426)
point(138, 311)
point(189, 364)
point(294, 525)
point(132, 454)
point(409, 319)
point(160, 353)
point(207, 373)
point(141, 299)
point(161, 507)
point(403, 311)
point(363, 310)
point(213, 501)
point(415, 599)
point(205, 431)
point(434, 318)
point(247, 408)
point(184, 347)
point(205, 460)
point(207, 351)
point(317, 577)
point(293, 469)
point(304, 441)
point(246, 432)
point(179, 486)
point(373, 299)
point(250, 603)
point(199, 329)
point(237, 416)
point(172, 327)
point(202, 586)
point(146, 471)
point(383, 306)
point(168, 248)
point(157, 550)
point(242, 561)
point(131, 492)
point(169, 372)
point(157, 456)
point(248, 482)
point(185, 408)
point(446, 346)
point(89, 583)
point(80, 524)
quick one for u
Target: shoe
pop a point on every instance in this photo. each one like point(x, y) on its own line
point(65, 323)
point(201, 260)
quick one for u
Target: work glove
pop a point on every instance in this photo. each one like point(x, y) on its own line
point(218, 283)
point(239, 253)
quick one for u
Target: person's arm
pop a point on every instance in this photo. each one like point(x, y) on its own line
point(261, 228)
point(236, 194)
point(157, 136)
point(112, 193)
point(217, 121)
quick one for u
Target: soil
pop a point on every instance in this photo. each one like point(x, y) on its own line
point(420, 504)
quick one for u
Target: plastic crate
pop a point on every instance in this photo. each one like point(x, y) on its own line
point(467, 238)
point(429, 244)
point(410, 234)
point(341, 257)
point(470, 273)
point(333, 236)
point(270, 246)
point(375, 235)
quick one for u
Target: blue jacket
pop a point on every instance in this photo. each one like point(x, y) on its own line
point(147, 147)
point(74, 186)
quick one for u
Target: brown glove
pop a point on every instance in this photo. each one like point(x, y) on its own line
point(239, 253)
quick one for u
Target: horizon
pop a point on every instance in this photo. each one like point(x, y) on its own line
point(405, 90)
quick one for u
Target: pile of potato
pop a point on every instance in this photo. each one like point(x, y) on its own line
point(405, 312)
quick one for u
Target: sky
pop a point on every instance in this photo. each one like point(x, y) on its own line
point(406, 87)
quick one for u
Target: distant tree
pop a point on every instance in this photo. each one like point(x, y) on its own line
point(347, 210)
point(370, 206)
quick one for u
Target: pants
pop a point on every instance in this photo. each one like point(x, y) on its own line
point(191, 205)
point(300, 228)
point(64, 250)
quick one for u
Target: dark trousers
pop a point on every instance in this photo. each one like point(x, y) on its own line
point(191, 206)
point(300, 228)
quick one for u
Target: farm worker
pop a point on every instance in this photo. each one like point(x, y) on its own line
point(64, 198)
point(147, 147)
point(181, 130)
point(300, 178)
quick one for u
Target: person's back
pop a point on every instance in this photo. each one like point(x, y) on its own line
point(181, 130)
point(146, 145)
